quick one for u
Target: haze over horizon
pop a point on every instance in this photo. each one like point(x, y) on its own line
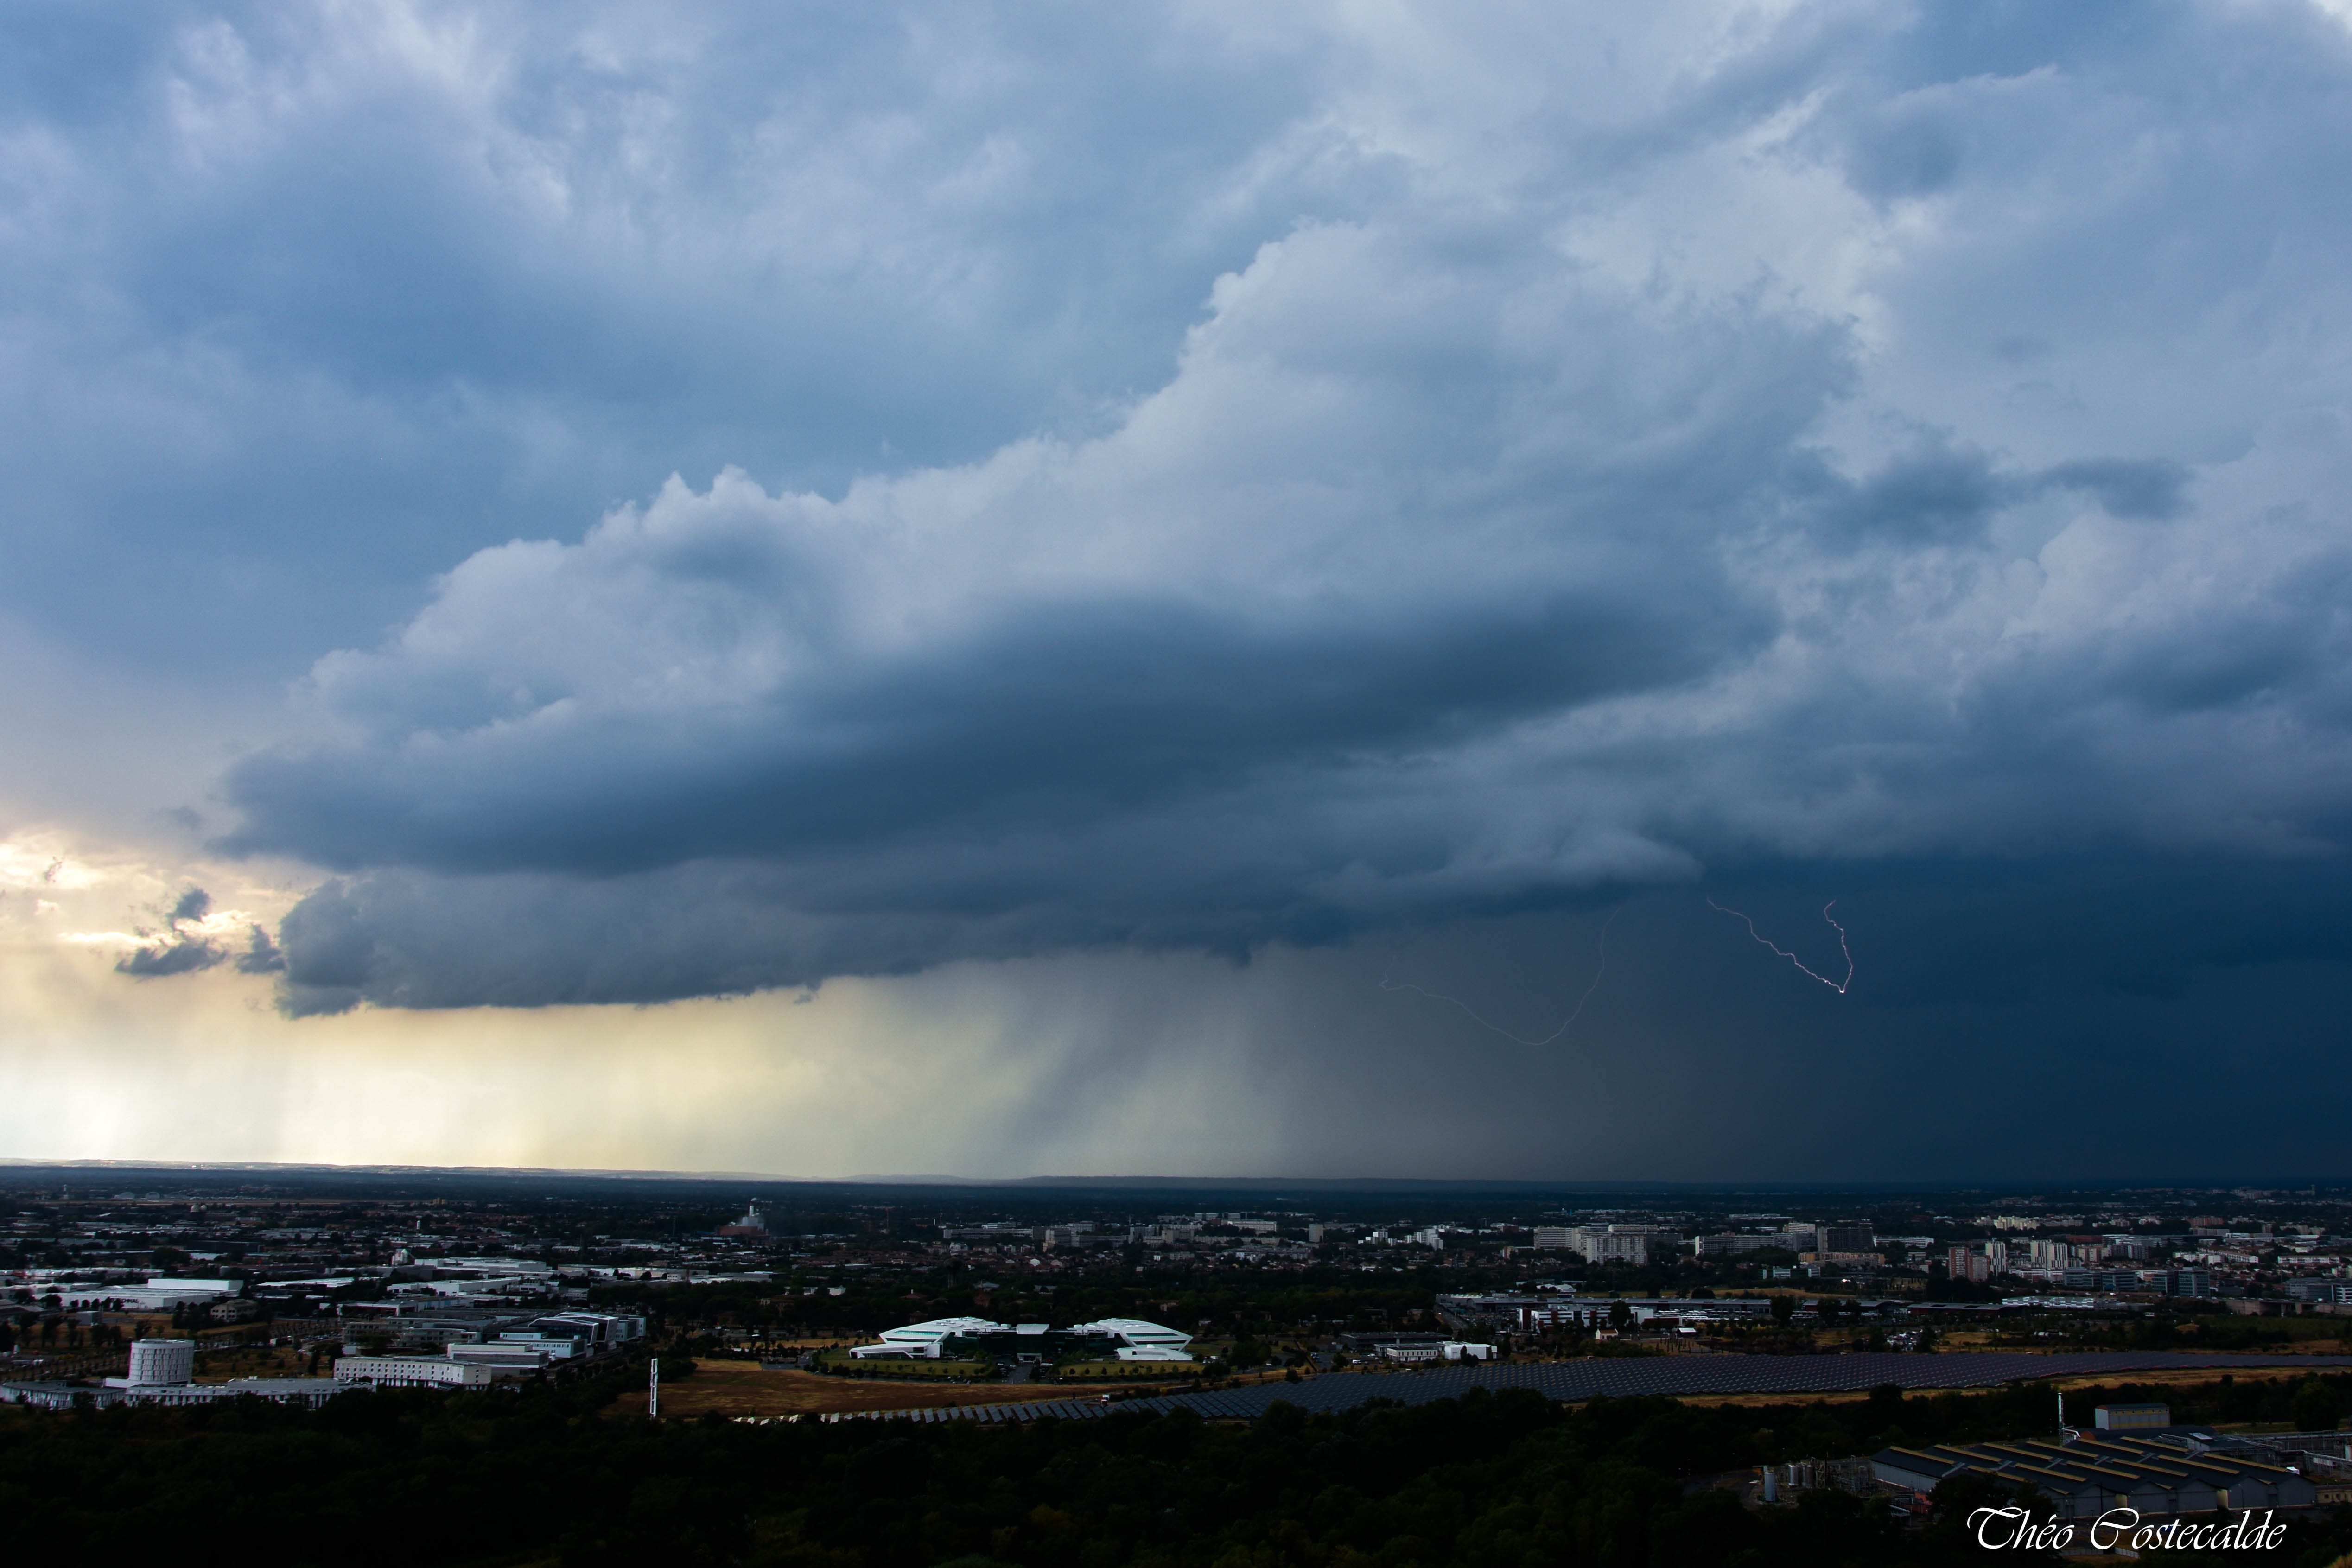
point(1716, 592)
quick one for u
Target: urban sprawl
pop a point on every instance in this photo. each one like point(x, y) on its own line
point(174, 1288)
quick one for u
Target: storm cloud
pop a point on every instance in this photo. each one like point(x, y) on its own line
point(1200, 480)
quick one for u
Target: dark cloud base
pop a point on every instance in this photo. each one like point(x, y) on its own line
point(1926, 934)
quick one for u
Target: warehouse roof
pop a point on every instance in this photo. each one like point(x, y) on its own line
point(2166, 1473)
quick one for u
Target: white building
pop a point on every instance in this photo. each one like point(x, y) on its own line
point(157, 1295)
point(1448, 1350)
point(411, 1372)
point(162, 1373)
point(507, 1360)
point(925, 1339)
point(157, 1361)
point(1134, 1340)
point(310, 1391)
point(565, 1336)
point(1140, 1341)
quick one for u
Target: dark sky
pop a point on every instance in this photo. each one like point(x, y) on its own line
point(1169, 517)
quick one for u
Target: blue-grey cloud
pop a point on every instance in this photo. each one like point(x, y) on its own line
point(180, 946)
point(1184, 478)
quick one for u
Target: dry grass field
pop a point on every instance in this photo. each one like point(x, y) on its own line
point(2187, 1376)
point(258, 1360)
point(745, 1388)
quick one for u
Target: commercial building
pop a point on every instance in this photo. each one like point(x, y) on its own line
point(375, 1327)
point(2160, 1474)
point(1636, 1245)
point(2131, 1417)
point(2334, 1291)
point(159, 1294)
point(927, 1340)
point(162, 1372)
point(1598, 1311)
point(1148, 1342)
point(308, 1392)
point(503, 1360)
point(2177, 1281)
point(1107, 1339)
point(1435, 1351)
point(1731, 1244)
point(573, 1336)
point(411, 1372)
point(2101, 1278)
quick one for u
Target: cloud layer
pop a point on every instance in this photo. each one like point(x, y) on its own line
point(1621, 476)
point(1189, 480)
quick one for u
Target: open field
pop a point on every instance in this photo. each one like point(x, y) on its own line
point(742, 1388)
point(2182, 1378)
point(745, 1388)
point(2299, 1336)
point(256, 1361)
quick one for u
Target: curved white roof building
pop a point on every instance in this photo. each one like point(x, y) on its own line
point(925, 1339)
point(1140, 1341)
point(1136, 1340)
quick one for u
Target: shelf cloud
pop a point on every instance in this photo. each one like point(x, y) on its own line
point(1038, 500)
point(1592, 486)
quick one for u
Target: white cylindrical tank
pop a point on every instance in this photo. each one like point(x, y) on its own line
point(162, 1361)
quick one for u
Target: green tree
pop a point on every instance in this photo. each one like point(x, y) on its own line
point(2318, 1406)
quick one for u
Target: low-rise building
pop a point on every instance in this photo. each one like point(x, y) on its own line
point(2336, 1292)
point(309, 1391)
point(1119, 1339)
point(163, 1372)
point(1443, 1350)
point(2158, 1474)
point(411, 1372)
point(503, 1360)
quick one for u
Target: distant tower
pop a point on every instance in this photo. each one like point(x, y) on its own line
point(653, 1392)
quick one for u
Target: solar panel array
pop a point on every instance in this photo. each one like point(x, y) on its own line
point(1621, 1378)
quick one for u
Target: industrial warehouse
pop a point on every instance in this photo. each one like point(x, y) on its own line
point(2154, 1470)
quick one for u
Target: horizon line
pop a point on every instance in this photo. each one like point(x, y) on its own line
point(1561, 1184)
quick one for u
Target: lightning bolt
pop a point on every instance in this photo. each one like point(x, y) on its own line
point(1498, 1028)
point(1840, 987)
